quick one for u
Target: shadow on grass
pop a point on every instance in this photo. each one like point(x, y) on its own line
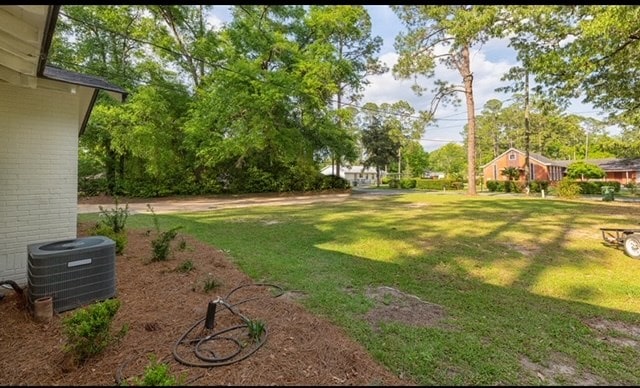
point(439, 245)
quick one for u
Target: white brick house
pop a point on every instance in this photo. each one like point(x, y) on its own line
point(42, 112)
point(356, 174)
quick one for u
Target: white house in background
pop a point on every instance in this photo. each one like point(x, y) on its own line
point(356, 175)
point(43, 110)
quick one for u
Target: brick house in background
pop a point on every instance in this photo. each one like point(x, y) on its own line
point(542, 168)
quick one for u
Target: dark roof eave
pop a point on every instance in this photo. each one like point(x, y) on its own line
point(49, 29)
point(66, 76)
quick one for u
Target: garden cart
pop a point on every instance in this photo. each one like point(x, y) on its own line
point(629, 239)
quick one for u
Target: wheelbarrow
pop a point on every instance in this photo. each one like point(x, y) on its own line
point(628, 239)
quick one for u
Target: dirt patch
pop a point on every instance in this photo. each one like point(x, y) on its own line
point(526, 250)
point(394, 306)
point(160, 304)
point(560, 370)
point(618, 333)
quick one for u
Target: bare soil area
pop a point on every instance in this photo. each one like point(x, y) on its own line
point(161, 304)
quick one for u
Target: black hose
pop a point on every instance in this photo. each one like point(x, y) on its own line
point(14, 285)
point(241, 350)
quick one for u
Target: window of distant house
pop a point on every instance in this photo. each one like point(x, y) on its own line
point(512, 156)
point(532, 171)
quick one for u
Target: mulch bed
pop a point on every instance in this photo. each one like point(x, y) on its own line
point(159, 304)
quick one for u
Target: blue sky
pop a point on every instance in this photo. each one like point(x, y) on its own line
point(488, 64)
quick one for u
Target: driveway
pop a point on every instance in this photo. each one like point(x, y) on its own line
point(199, 203)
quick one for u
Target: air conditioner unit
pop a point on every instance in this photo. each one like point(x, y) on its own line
point(73, 272)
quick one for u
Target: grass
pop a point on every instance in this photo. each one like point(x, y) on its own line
point(519, 279)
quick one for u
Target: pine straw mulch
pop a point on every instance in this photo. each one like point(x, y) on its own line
point(160, 304)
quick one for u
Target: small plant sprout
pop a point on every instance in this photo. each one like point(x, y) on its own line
point(256, 329)
point(186, 266)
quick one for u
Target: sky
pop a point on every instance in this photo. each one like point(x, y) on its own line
point(488, 64)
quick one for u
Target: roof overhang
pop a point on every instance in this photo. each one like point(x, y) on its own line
point(26, 33)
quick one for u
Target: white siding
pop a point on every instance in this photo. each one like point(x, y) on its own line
point(38, 172)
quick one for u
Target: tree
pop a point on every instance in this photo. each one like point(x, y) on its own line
point(416, 159)
point(380, 146)
point(456, 28)
point(347, 28)
point(583, 170)
point(182, 37)
point(512, 173)
point(99, 41)
point(449, 159)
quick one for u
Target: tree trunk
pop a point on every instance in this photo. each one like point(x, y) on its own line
point(526, 132)
point(467, 76)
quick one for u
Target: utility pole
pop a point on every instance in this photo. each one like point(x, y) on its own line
point(526, 130)
point(586, 150)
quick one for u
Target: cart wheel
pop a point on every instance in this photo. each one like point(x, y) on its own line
point(632, 246)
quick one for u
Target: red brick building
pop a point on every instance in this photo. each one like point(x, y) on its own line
point(542, 168)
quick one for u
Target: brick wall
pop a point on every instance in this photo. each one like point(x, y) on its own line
point(38, 172)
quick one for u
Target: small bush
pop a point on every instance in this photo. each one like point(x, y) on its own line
point(207, 285)
point(119, 238)
point(567, 188)
point(186, 266)
point(256, 329)
point(632, 187)
point(210, 284)
point(115, 218)
point(158, 374)
point(88, 329)
point(162, 243)
point(408, 183)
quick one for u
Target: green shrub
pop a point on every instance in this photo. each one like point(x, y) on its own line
point(567, 188)
point(494, 186)
point(256, 329)
point(119, 238)
point(632, 187)
point(595, 187)
point(114, 218)
point(158, 374)
point(88, 330)
point(162, 243)
point(333, 182)
point(408, 183)
point(536, 186)
point(186, 266)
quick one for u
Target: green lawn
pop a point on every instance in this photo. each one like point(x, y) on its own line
point(530, 294)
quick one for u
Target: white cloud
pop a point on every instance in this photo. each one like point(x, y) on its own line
point(450, 119)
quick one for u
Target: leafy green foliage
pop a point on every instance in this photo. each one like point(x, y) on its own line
point(584, 170)
point(115, 218)
point(450, 159)
point(256, 329)
point(567, 188)
point(210, 284)
point(512, 173)
point(161, 244)
point(186, 266)
point(88, 330)
point(158, 374)
point(119, 238)
point(380, 147)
